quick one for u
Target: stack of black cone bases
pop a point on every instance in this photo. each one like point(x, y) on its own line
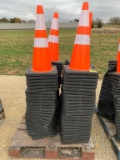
point(73, 114)
point(112, 65)
point(42, 99)
point(109, 100)
point(106, 98)
point(59, 66)
point(115, 80)
point(77, 105)
point(117, 115)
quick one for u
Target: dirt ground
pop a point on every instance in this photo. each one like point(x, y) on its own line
point(12, 94)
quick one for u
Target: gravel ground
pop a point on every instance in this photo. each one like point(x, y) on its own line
point(12, 94)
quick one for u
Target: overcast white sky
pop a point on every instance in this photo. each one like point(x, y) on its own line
point(68, 9)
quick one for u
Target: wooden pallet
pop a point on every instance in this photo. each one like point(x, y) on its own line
point(110, 130)
point(50, 148)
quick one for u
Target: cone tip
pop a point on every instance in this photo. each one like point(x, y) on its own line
point(39, 9)
point(85, 6)
point(55, 14)
point(91, 13)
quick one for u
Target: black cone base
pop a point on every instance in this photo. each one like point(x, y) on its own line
point(109, 100)
point(42, 98)
point(115, 80)
point(112, 65)
point(77, 105)
point(106, 98)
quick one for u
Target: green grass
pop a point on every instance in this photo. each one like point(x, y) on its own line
point(16, 49)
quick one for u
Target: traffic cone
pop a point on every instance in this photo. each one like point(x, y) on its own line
point(118, 50)
point(41, 59)
point(90, 20)
point(80, 59)
point(53, 39)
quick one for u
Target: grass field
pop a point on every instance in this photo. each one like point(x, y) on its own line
point(16, 47)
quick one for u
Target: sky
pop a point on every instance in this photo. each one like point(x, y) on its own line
point(68, 9)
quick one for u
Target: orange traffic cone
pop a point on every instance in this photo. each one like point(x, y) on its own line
point(118, 63)
point(118, 58)
point(118, 50)
point(53, 39)
point(41, 59)
point(80, 59)
point(90, 20)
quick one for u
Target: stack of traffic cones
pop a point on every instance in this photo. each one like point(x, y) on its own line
point(53, 40)
point(115, 80)
point(109, 100)
point(2, 115)
point(42, 86)
point(78, 101)
point(106, 98)
point(78, 90)
point(79, 83)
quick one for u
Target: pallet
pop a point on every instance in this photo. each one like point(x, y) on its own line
point(50, 148)
point(110, 130)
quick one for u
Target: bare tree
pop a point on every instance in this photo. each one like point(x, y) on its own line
point(31, 21)
point(96, 21)
point(114, 20)
point(99, 25)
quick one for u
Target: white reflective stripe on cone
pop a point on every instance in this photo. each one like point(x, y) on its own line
point(53, 39)
point(82, 39)
point(40, 42)
point(84, 18)
point(40, 22)
point(54, 24)
point(119, 47)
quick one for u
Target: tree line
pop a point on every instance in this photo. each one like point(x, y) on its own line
point(112, 20)
point(97, 22)
point(15, 20)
